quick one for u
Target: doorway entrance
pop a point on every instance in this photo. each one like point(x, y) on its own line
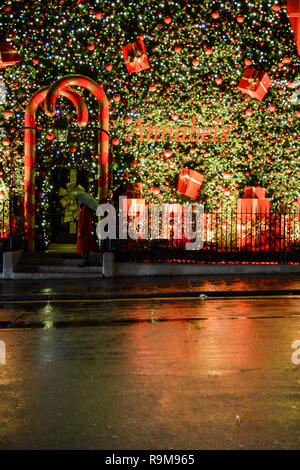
point(62, 231)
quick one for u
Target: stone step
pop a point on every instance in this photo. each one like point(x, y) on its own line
point(58, 262)
point(55, 275)
point(59, 269)
point(62, 259)
point(62, 248)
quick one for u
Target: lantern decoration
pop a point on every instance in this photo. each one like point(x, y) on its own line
point(8, 55)
point(255, 83)
point(189, 182)
point(61, 130)
point(135, 57)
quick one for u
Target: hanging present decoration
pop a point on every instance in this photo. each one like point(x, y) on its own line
point(189, 182)
point(2, 92)
point(255, 83)
point(135, 57)
point(8, 55)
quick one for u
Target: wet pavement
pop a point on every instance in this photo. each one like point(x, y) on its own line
point(123, 287)
point(152, 374)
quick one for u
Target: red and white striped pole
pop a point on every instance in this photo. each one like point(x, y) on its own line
point(103, 123)
point(30, 148)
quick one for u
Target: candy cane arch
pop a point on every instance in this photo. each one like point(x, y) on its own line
point(103, 123)
point(30, 146)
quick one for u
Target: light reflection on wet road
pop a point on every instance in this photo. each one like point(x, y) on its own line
point(213, 374)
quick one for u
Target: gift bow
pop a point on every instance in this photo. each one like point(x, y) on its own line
point(135, 53)
point(69, 202)
point(136, 57)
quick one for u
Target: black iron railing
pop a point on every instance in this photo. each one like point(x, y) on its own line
point(228, 237)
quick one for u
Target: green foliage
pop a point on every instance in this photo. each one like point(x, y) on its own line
point(57, 38)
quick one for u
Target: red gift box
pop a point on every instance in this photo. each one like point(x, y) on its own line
point(189, 182)
point(297, 204)
point(134, 207)
point(251, 214)
point(254, 192)
point(135, 57)
point(134, 190)
point(255, 83)
point(8, 55)
point(253, 206)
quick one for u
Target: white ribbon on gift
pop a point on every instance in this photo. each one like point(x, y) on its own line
point(186, 176)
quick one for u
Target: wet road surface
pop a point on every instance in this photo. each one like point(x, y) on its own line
point(151, 374)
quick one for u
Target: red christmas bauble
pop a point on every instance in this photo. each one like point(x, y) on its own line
point(6, 142)
point(249, 112)
point(156, 191)
point(240, 19)
point(276, 7)
point(167, 19)
point(215, 15)
point(196, 62)
point(115, 141)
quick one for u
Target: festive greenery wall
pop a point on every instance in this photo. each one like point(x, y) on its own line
point(197, 54)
